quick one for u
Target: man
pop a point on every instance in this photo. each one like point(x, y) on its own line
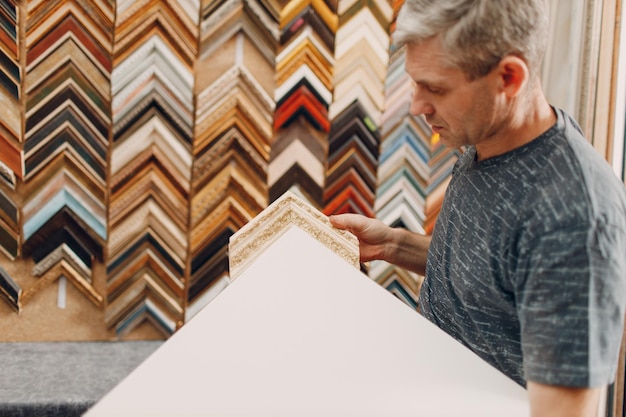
point(527, 262)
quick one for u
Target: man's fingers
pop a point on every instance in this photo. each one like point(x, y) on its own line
point(346, 221)
point(335, 220)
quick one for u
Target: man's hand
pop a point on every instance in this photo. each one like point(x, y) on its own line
point(554, 401)
point(373, 234)
point(377, 241)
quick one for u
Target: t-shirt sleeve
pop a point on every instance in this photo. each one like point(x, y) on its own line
point(570, 294)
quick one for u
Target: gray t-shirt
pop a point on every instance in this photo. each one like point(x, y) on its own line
point(527, 266)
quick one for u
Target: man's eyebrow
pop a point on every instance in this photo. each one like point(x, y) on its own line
point(430, 84)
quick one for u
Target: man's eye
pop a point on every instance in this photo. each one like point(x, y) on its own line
point(433, 90)
point(428, 88)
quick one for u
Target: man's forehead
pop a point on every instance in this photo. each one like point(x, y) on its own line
point(430, 51)
point(428, 65)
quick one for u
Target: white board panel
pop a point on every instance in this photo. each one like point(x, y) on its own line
point(301, 332)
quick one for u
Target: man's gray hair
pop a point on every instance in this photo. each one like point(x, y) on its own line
point(477, 34)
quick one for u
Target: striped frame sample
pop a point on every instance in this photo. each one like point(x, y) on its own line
point(67, 121)
point(10, 129)
point(361, 55)
point(304, 91)
point(233, 131)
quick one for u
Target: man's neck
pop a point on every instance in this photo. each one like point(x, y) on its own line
point(531, 116)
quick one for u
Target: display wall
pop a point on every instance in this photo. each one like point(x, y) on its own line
point(137, 136)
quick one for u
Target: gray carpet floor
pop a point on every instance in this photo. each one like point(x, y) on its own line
point(65, 378)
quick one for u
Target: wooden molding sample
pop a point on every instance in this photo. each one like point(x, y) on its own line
point(287, 211)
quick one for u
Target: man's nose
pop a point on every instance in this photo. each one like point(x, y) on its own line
point(419, 104)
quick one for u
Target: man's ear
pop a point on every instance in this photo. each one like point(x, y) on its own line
point(513, 75)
